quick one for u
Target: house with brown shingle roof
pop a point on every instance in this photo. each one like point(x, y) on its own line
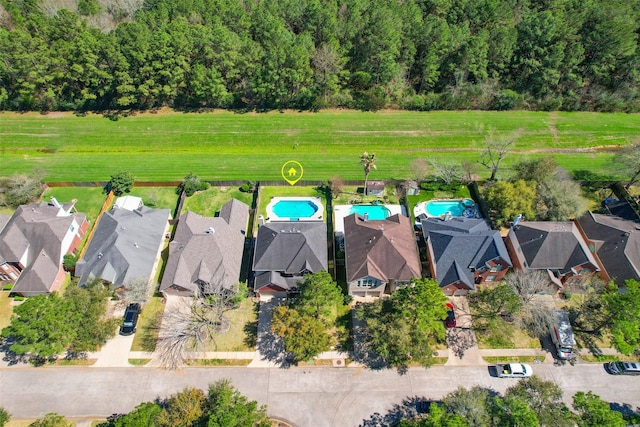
point(379, 254)
point(206, 252)
point(34, 242)
point(556, 248)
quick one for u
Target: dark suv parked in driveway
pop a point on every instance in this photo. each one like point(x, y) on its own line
point(130, 319)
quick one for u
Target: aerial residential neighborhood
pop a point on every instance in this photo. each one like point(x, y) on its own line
point(319, 213)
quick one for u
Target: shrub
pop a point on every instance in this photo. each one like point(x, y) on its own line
point(244, 188)
point(190, 184)
point(507, 100)
point(7, 287)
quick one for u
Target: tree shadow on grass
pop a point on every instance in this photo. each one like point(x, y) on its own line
point(251, 330)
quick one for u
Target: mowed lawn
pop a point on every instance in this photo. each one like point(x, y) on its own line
point(209, 202)
point(225, 145)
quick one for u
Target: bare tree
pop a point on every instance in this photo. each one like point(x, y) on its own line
point(191, 322)
point(336, 184)
point(20, 188)
point(628, 161)
point(447, 171)
point(527, 285)
point(496, 149)
point(136, 291)
point(534, 314)
point(420, 168)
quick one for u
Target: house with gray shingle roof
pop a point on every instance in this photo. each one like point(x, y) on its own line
point(379, 254)
point(33, 243)
point(206, 252)
point(125, 246)
point(284, 252)
point(464, 253)
point(616, 243)
point(555, 247)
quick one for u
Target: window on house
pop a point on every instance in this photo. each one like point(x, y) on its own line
point(72, 228)
point(496, 267)
point(13, 275)
point(491, 277)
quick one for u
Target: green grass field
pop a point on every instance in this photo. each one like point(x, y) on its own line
point(209, 202)
point(224, 145)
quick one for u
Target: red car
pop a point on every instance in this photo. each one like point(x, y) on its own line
point(450, 321)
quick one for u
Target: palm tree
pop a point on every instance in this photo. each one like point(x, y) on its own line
point(368, 162)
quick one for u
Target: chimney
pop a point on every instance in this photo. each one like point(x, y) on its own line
point(55, 202)
point(366, 216)
point(447, 216)
point(210, 230)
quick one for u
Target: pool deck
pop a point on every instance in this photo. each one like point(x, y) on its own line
point(342, 211)
point(318, 216)
point(421, 208)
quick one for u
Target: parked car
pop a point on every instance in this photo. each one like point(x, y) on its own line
point(450, 321)
point(623, 368)
point(514, 370)
point(130, 319)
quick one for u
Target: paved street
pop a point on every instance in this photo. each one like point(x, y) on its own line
point(313, 397)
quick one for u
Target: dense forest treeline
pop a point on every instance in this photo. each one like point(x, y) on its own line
point(311, 54)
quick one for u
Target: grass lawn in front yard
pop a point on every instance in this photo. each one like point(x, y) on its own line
point(502, 334)
point(603, 358)
point(209, 202)
point(266, 193)
point(6, 309)
point(513, 359)
point(89, 199)
point(241, 334)
point(148, 326)
point(218, 362)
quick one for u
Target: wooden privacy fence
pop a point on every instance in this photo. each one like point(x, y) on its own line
point(105, 206)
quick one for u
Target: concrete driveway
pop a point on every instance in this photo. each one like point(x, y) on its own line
point(461, 340)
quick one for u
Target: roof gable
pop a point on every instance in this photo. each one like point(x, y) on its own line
point(207, 249)
point(552, 245)
point(124, 246)
point(34, 236)
point(384, 249)
point(617, 243)
point(291, 247)
point(460, 246)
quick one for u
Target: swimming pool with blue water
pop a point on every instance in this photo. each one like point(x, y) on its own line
point(375, 212)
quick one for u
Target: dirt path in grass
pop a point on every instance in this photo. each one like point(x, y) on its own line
point(576, 150)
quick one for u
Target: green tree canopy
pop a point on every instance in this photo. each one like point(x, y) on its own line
point(304, 336)
point(544, 398)
point(5, 417)
point(594, 412)
point(119, 183)
point(51, 420)
point(510, 199)
point(48, 325)
point(406, 327)
point(319, 296)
